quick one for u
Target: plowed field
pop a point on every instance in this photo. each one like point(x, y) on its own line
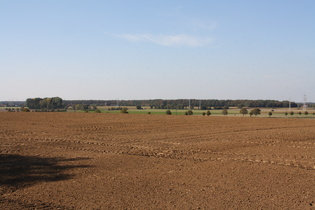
point(117, 161)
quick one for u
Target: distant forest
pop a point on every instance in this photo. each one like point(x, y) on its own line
point(12, 103)
point(56, 102)
point(184, 103)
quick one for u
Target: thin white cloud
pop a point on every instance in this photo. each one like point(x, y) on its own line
point(168, 40)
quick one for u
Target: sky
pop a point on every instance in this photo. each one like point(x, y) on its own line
point(157, 49)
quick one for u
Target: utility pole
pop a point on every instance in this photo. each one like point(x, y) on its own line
point(304, 106)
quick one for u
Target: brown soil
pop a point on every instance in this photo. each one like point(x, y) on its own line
point(117, 161)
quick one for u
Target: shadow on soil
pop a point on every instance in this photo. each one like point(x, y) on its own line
point(18, 171)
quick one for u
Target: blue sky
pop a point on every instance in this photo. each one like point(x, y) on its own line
point(143, 49)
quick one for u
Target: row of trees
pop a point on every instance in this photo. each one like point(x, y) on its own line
point(243, 111)
point(45, 103)
point(255, 112)
point(23, 109)
point(184, 103)
point(299, 113)
point(189, 112)
point(83, 107)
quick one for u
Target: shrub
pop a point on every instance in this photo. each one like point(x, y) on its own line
point(168, 112)
point(124, 110)
point(190, 112)
point(286, 113)
point(114, 108)
point(299, 113)
point(97, 111)
point(306, 112)
point(291, 113)
point(208, 113)
point(224, 112)
point(149, 112)
point(25, 109)
point(203, 113)
point(269, 113)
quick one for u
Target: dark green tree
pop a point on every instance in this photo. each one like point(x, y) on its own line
point(56, 103)
point(243, 111)
point(168, 112)
point(255, 112)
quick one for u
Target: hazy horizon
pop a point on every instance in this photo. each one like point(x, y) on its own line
point(179, 49)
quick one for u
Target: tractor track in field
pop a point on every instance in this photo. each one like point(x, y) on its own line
point(289, 161)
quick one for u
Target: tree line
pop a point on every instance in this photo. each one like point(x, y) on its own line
point(12, 103)
point(204, 104)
